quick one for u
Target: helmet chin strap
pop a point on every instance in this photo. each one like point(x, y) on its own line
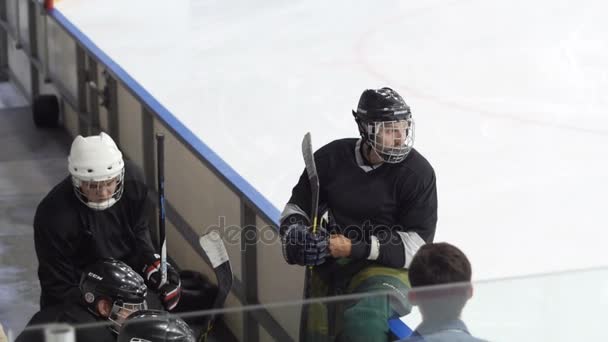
point(101, 205)
point(369, 152)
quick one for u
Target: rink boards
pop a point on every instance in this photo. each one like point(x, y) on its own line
point(509, 116)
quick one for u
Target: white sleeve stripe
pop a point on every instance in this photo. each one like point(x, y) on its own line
point(291, 209)
point(411, 243)
point(374, 251)
point(149, 274)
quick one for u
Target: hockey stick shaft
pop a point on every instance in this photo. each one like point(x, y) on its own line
point(160, 174)
point(313, 178)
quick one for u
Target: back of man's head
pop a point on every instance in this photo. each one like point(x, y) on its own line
point(435, 266)
point(439, 263)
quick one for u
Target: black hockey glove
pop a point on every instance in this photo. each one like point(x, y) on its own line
point(302, 247)
point(170, 292)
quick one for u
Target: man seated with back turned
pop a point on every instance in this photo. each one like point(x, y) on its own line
point(440, 275)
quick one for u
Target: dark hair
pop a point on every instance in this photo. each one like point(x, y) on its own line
point(439, 263)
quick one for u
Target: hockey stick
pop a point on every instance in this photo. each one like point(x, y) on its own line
point(313, 178)
point(160, 174)
point(213, 247)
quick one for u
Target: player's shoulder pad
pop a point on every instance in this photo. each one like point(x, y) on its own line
point(346, 145)
point(58, 199)
point(419, 165)
point(135, 189)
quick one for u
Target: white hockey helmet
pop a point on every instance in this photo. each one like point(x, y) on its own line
point(96, 166)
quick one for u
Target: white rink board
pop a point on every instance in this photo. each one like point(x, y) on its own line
point(510, 100)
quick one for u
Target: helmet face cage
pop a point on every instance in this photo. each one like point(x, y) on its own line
point(391, 140)
point(120, 312)
point(97, 185)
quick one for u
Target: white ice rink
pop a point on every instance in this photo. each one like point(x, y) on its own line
point(510, 99)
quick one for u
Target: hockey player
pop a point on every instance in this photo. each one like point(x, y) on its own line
point(441, 306)
point(98, 211)
point(381, 198)
point(155, 326)
point(109, 292)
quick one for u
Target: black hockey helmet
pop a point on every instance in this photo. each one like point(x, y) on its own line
point(382, 104)
point(384, 110)
point(116, 282)
point(112, 279)
point(155, 326)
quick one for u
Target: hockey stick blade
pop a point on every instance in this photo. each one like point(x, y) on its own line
point(313, 178)
point(214, 248)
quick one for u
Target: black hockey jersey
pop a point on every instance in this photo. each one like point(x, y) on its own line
point(394, 202)
point(69, 235)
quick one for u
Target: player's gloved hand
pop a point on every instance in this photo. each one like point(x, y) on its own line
point(170, 291)
point(302, 247)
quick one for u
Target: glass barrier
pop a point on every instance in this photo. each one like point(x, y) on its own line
point(331, 318)
point(566, 306)
point(554, 307)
